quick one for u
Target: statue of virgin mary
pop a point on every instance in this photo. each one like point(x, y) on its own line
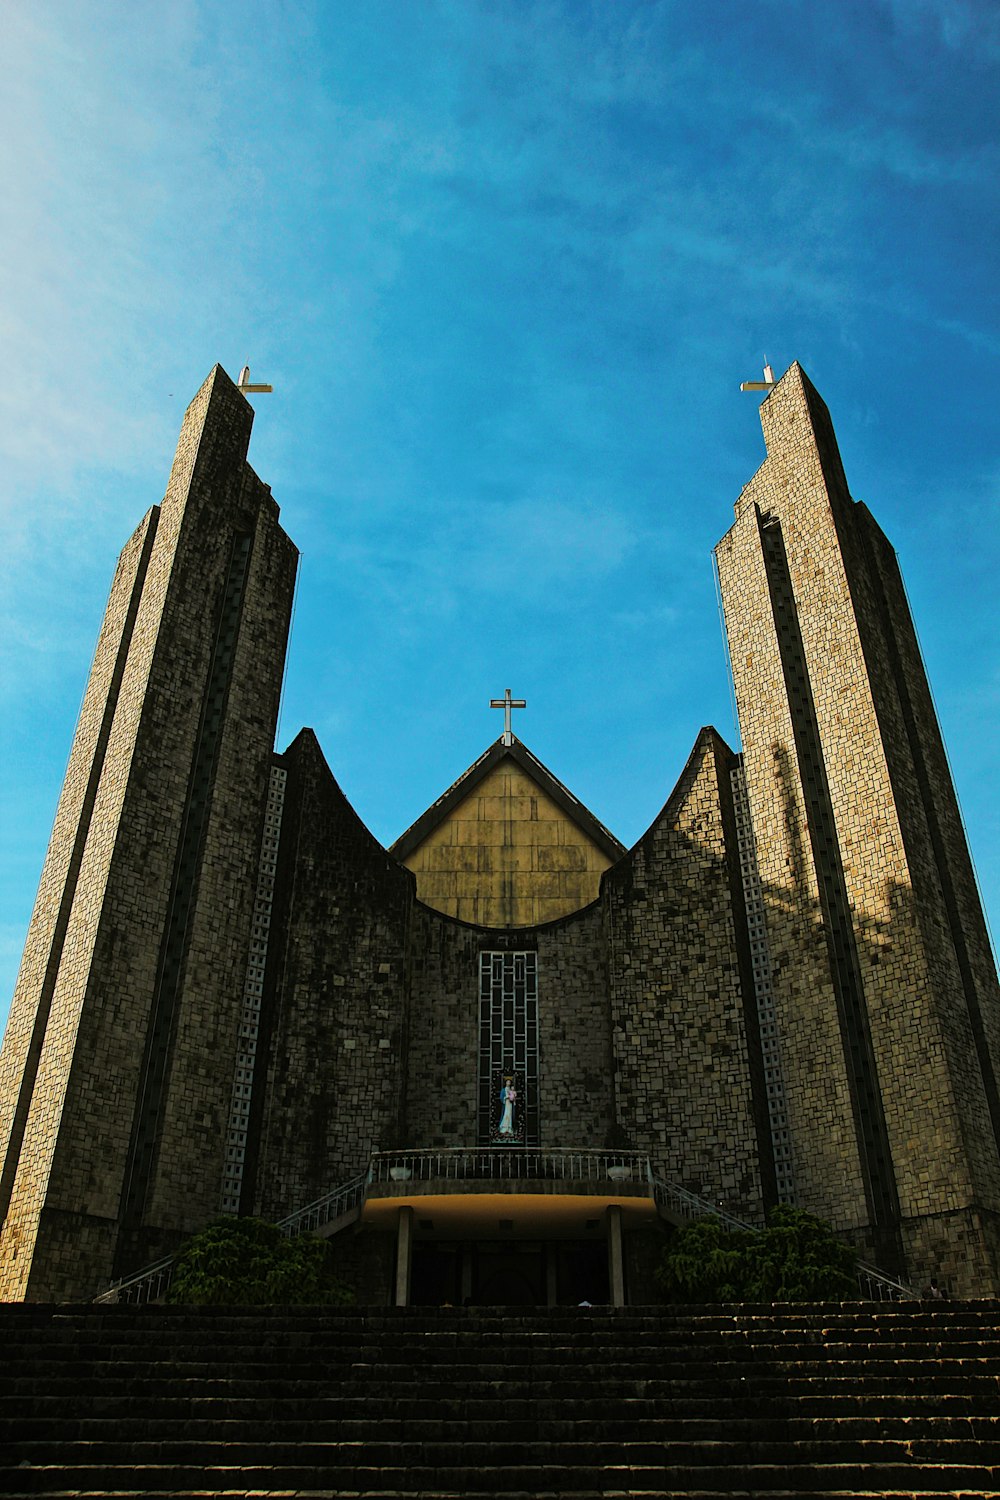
point(508, 1098)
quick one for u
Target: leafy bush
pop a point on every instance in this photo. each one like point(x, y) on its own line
point(796, 1258)
point(249, 1262)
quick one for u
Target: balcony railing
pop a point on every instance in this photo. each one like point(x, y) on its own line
point(506, 1163)
point(493, 1164)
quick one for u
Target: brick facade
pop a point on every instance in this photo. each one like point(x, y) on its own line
point(689, 1080)
point(136, 988)
point(331, 1063)
point(885, 991)
point(231, 992)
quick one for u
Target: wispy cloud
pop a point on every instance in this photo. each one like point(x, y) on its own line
point(505, 265)
point(963, 26)
point(543, 551)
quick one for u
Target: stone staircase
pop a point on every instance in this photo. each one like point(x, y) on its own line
point(792, 1400)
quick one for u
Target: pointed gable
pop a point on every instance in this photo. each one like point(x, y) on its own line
point(507, 845)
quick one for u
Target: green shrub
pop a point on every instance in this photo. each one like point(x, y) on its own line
point(797, 1258)
point(249, 1262)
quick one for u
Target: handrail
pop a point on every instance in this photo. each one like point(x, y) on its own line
point(152, 1282)
point(144, 1286)
point(324, 1210)
point(874, 1285)
point(460, 1163)
point(690, 1206)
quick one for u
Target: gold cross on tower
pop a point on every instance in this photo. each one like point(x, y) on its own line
point(246, 389)
point(507, 703)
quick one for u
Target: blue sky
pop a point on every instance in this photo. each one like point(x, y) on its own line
point(506, 265)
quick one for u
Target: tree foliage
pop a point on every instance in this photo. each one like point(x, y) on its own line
point(249, 1262)
point(796, 1258)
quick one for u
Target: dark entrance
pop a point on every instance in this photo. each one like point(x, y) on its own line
point(581, 1272)
point(509, 1273)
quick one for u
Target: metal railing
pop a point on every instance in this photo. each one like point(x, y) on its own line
point(492, 1163)
point(675, 1199)
point(324, 1210)
point(876, 1286)
point(152, 1282)
point(873, 1285)
point(146, 1285)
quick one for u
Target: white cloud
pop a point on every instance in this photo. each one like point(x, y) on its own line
point(961, 25)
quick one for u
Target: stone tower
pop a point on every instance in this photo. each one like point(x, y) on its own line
point(885, 994)
point(117, 1068)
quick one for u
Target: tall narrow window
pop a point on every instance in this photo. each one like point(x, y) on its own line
point(508, 1049)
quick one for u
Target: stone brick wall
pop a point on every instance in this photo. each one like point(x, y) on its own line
point(886, 1101)
point(685, 1044)
point(333, 1031)
point(443, 1036)
point(575, 1069)
point(945, 896)
point(826, 1162)
point(943, 1006)
point(576, 1064)
point(23, 1183)
point(193, 1117)
point(108, 1118)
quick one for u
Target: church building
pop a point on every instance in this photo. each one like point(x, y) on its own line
point(497, 1058)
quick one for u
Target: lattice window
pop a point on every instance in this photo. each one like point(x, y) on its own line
point(508, 1049)
point(253, 989)
point(770, 1040)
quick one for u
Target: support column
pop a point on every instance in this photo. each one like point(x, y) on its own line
point(404, 1255)
point(616, 1258)
point(551, 1274)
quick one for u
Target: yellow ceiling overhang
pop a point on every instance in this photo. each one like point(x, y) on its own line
point(461, 1215)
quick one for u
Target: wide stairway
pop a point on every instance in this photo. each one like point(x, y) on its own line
point(821, 1399)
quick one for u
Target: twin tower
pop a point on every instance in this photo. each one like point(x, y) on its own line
point(232, 995)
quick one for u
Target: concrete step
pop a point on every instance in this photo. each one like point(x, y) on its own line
point(273, 1351)
point(238, 1341)
point(468, 1364)
point(916, 1407)
point(320, 1324)
point(562, 1391)
point(448, 1494)
point(505, 1479)
point(776, 1402)
point(31, 1429)
point(581, 1452)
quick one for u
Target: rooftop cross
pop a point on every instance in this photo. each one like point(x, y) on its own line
point(507, 703)
point(767, 384)
point(245, 388)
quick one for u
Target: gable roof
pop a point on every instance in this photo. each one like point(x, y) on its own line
point(532, 766)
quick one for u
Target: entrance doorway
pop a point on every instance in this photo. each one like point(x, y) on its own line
point(509, 1273)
